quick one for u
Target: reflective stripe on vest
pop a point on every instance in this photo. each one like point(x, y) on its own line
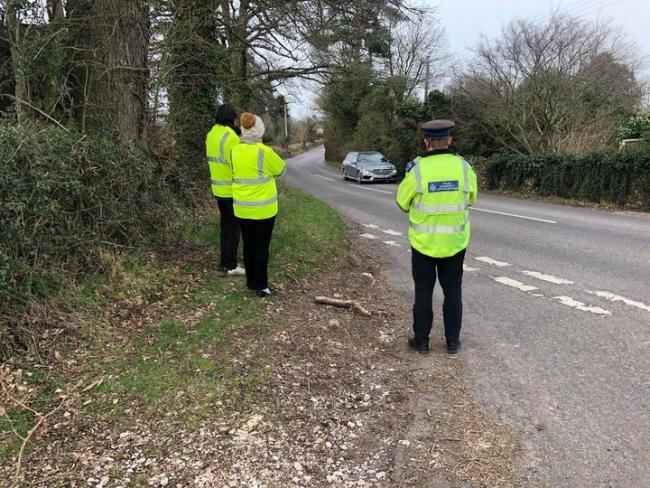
point(439, 229)
point(418, 178)
point(221, 159)
point(261, 179)
point(439, 208)
point(262, 203)
point(221, 183)
point(465, 185)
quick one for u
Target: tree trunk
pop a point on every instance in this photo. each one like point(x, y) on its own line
point(21, 83)
point(196, 64)
point(112, 87)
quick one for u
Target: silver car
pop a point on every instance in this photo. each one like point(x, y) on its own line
point(368, 166)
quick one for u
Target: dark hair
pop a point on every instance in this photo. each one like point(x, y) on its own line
point(226, 115)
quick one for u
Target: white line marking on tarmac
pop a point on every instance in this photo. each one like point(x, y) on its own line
point(549, 278)
point(371, 226)
point(570, 302)
point(391, 232)
point(392, 243)
point(491, 261)
point(513, 215)
point(326, 178)
point(504, 280)
point(469, 269)
point(617, 298)
point(371, 189)
point(369, 236)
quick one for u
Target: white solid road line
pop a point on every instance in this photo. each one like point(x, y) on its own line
point(617, 298)
point(513, 215)
point(570, 302)
point(504, 280)
point(491, 261)
point(326, 178)
point(549, 278)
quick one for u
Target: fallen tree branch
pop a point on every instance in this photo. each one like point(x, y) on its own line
point(352, 304)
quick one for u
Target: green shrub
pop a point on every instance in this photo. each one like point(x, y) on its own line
point(620, 177)
point(64, 198)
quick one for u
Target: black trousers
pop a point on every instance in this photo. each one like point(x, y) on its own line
point(229, 235)
point(256, 235)
point(450, 273)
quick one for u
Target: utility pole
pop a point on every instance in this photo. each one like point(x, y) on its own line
point(286, 124)
point(427, 74)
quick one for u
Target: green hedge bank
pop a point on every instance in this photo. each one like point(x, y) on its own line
point(618, 177)
point(64, 198)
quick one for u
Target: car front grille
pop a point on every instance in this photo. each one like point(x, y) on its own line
point(382, 171)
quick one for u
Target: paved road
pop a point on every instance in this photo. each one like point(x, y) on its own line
point(556, 322)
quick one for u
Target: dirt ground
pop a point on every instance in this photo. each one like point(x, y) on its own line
point(341, 401)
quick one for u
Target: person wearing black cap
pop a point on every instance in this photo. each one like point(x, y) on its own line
point(437, 191)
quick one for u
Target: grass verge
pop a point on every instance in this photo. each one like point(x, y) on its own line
point(154, 338)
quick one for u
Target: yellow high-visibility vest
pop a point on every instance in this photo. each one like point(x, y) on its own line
point(437, 193)
point(255, 168)
point(218, 147)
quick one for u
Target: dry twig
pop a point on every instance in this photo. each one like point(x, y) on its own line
point(352, 304)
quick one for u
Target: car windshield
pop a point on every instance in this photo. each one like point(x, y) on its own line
point(371, 158)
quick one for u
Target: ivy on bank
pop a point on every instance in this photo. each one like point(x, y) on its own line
point(618, 177)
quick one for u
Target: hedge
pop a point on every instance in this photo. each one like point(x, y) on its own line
point(618, 177)
point(64, 199)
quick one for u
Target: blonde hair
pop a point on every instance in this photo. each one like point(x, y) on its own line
point(247, 120)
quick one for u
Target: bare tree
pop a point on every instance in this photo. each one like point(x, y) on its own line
point(417, 51)
point(16, 33)
point(557, 85)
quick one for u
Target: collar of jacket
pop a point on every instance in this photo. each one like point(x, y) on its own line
point(250, 140)
point(436, 152)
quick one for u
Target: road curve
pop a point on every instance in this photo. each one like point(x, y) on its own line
point(556, 322)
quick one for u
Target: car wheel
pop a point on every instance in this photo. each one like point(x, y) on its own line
point(358, 177)
point(345, 177)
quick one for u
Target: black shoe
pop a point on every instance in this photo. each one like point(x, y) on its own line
point(453, 347)
point(420, 346)
point(266, 292)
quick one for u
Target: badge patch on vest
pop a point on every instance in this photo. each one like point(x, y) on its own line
point(436, 186)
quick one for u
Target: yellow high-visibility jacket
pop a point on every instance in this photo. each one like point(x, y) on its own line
point(255, 168)
point(437, 193)
point(218, 148)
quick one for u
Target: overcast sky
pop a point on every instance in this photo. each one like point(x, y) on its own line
point(465, 20)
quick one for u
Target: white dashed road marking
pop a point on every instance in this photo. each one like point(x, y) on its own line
point(608, 295)
point(371, 226)
point(570, 302)
point(469, 268)
point(504, 280)
point(369, 236)
point(514, 215)
point(392, 243)
point(372, 189)
point(391, 232)
point(491, 261)
point(326, 178)
point(549, 278)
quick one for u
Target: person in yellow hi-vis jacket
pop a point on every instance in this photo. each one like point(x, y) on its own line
point(437, 192)
point(218, 147)
point(255, 168)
